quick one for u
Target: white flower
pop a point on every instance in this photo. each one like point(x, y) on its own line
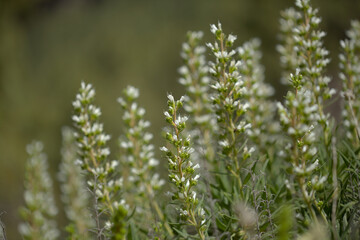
point(108, 224)
point(181, 119)
point(76, 118)
point(105, 152)
point(132, 92)
point(147, 137)
point(171, 97)
point(78, 162)
point(121, 101)
point(104, 137)
point(209, 45)
point(224, 143)
point(213, 28)
point(167, 114)
point(114, 163)
point(77, 104)
point(196, 166)
point(183, 70)
point(194, 195)
point(153, 162)
point(252, 149)
point(133, 106)
point(231, 38)
point(332, 92)
point(182, 99)
point(98, 193)
point(183, 212)
point(187, 185)
point(91, 94)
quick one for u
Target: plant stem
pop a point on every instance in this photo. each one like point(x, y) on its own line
point(160, 215)
point(96, 210)
point(3, 227)
point(336, 189)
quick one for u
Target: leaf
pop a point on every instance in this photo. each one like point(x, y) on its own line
point(181, 233)
point(132, 232)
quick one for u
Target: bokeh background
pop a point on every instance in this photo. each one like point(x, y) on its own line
point(47, 47)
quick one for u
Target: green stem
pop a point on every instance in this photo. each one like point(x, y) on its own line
point(162, 218)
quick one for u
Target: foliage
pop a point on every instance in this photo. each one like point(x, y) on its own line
point(240, 166)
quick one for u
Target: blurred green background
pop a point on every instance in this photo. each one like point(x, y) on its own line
point(47, 47)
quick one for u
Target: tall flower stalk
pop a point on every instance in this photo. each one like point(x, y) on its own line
point(310, 58)
point(252, 164)
point(297, 117)
point(229, 103)
point(350, 179)
point(182, 171)
point(262, 134)
point(74, 191)
point(195, 78)
point(350, 76)
point(103, 180)
point(142, 183)
point(261, 110)
point(39, 211)
point(202, 123)
point(289, 61)
point(305, 119)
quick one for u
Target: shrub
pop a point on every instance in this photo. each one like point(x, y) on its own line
point(240, 165)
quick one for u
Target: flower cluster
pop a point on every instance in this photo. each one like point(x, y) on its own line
point(298, 116)
point(312, 54)
point(253, 162)
point(261, 110)
point(194, 76)
point(138, 157)
point(103, 181)
point(290, 18)
point(91, 139)
point(229, 102)
point(138, 151)
point(310, 57)
point(39, 210)
point(74, 193)
point(350, 76)
point(182, 171)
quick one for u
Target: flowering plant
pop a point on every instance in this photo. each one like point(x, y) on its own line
point(239, 164)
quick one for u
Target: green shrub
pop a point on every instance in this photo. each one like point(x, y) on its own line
point(240, 165)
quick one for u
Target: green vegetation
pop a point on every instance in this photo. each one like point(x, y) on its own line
point(240, 165)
